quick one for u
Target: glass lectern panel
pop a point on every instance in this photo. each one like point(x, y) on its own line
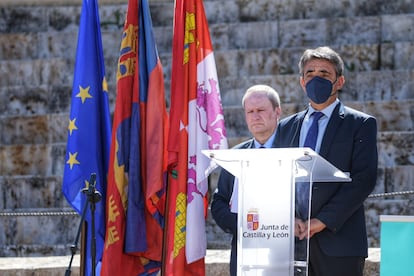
point(266, 205)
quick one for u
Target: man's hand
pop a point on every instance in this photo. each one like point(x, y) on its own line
point(315, 226)
point(303, 227)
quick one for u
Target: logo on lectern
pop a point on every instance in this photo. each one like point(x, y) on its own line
point(252, 219)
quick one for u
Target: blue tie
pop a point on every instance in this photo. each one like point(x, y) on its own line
point(312, 136)
point(302, 196)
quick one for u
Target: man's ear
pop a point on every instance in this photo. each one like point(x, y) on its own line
point(340, 83)
point(278, 112)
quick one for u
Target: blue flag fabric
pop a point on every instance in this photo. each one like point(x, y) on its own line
point(89, 130)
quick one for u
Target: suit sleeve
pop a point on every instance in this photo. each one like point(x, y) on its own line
point(220, 207)
point(361, 160)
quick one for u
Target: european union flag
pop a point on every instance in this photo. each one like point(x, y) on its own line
point(89, 129)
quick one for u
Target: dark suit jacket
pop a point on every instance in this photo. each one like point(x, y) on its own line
point(220, 208)
point(350, 144)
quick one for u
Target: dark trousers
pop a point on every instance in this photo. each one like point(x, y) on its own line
point(323, 265)
point(233, 258)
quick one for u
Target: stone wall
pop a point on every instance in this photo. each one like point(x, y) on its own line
point(255, 42)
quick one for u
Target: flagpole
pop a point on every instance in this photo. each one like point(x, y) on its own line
point(93, 197)
point(74, 246)
point(166, 222)
point(82, 266)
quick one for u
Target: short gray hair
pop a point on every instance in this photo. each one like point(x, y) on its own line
point(263, 89)
point(322, 53)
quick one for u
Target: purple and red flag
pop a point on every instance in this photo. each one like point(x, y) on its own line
point(196, 123)
point(138, 156)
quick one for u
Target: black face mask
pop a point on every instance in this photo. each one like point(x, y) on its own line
point(319, 89)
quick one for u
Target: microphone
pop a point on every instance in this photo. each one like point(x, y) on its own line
point(93, 194)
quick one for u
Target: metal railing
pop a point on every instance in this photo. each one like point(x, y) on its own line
point(73, 213)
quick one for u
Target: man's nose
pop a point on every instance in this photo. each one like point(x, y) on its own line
point(256, 115)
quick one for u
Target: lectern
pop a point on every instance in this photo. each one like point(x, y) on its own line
point(265, 202)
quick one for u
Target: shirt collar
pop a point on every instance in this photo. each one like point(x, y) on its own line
point(268, 143)
point(327, 111)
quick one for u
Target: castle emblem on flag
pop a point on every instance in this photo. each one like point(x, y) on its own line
point(252, 219)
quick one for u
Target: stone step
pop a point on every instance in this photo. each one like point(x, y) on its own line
point(54, 75)
point(27, 217)
point(31, 97)
point(224, 35)
point(395, 148)
point(45, 193)
point(368, 86)
point(46, 15)
point(52, 128)
point(32, 160)
point(217, 263)
point(38, 232)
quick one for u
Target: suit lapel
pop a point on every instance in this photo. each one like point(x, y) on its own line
point(297, 125)
point(334, 122)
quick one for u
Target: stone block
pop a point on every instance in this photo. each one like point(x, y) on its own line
point(45, 192)
point(26, 160)
point(245, 35)
point(400, 179)
point(24, 130)
point(58, 45)
point(380, 186)
point(395, 148)
point(360, 57)
point(37, 235)
point(233, 88)
point(375, 207)
point(397, 27)
point(222, 11)
point(28, 101)
point(19, 46)
point(36, 72)
point(379, 86)
point(392, 115)
point(58, 128)
point(404, 60)
point(303, 33)
point(42, 159)
point(34, 100)
point(3, 189)
point(23, 19)
point(162, 12)
point(63, 18)
point(354, 30)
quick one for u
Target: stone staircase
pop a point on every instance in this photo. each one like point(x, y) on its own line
point(255, 42)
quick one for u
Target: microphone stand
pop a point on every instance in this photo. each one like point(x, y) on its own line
point(93, 196)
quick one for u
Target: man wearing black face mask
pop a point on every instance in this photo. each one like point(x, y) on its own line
point(347, 139)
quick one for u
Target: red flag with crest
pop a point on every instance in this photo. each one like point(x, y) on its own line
point(138, 156)
point(196, 123)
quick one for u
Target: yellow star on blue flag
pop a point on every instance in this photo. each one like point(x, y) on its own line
point(89, 132)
